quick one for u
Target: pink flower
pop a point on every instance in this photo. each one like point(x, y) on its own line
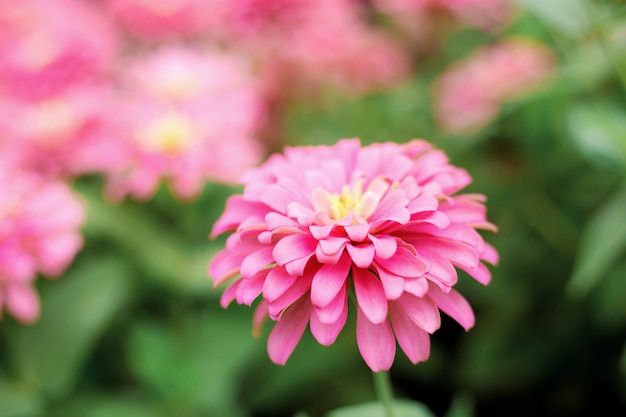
point(306, 45)
point(60, 135)
point(489, 15)
point(39, 234)
point(160, 19)
point(188, 116)
point(384, 219)
point(470, 93)
point(48, 46)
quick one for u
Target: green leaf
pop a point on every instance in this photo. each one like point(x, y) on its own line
point(602, 243)
point(401, 408)
point(598, 130)
point(76, 309)
point(17, 402)
point(566, 17)
point(195, 362)
point(165, 256)
point(462, 406)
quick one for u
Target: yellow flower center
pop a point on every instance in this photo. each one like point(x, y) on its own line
point(349, 201)
point(170, 134)
point(352, 200)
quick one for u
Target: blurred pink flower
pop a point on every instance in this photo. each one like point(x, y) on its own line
point(60, 135)
point(470, 93)
point(39, 234)
point(186, 116)
point(161, 19)
point(489, 15)
point(302, 45)
point(48, 46)
point(382, 218)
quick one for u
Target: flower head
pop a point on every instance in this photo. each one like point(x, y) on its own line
point(39, 234)
point(189, 116)
point(384, 219)
point(470, 93)
point(50, 46)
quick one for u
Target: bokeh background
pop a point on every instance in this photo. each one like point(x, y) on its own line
point(145, 113)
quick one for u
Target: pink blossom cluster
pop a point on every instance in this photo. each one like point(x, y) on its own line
point(40, 218)
point(471, 92)
point(488, 15)
point(384, 221)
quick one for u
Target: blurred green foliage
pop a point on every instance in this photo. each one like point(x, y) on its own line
point(135, 329)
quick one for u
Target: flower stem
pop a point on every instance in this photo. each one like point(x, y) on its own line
point(382, 384)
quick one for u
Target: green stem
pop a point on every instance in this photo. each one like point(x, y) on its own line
point(382, 384)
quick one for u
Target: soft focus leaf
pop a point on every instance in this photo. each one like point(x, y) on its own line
point(17, 401)
point(603, 241)
point(462, 406)
point(164, 255)
point(566, 17)
point(75, 311)
point(598, 130)
point(196, 363)
point(401, 408)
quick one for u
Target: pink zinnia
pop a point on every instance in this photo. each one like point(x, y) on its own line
point(48, 46)
point(188, 116)
point(383, 218)
point(471, 92)
point(40, 220)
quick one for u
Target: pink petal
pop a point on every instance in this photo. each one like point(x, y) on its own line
point(321, 232)
point(226, 263)
point(333, 310)
point(376, 342)
point(393, 207)
point(362, 255)
point(288, 331)
point(23, 303)
point(328, 280)
point(298, 266)
point(440, 269)
point(327, 259)
point(277, 197)
point(275, 220)
point(357, 232)
point(326, 333)
point(250, 288)
point(236, 210)
point(295, 292)
point(370, 295)
point(385, 246)
point(392, 284)
point(490, 254)
point(416, 286)
point(256, 261)
point(293, 247)
point(481, 273)
point(454, 305)
point(276, 283)
point(404, 264)
point(258, 318)
point(230, 293)
point(421, 310)
point(332, 244)
point(423, 203)
point(413, 340)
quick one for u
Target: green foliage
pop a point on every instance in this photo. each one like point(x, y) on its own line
point(400, 409)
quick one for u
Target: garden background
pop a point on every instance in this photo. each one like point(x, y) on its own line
point(133, 327)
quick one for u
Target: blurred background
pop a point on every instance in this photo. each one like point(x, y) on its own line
point(125, 125)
